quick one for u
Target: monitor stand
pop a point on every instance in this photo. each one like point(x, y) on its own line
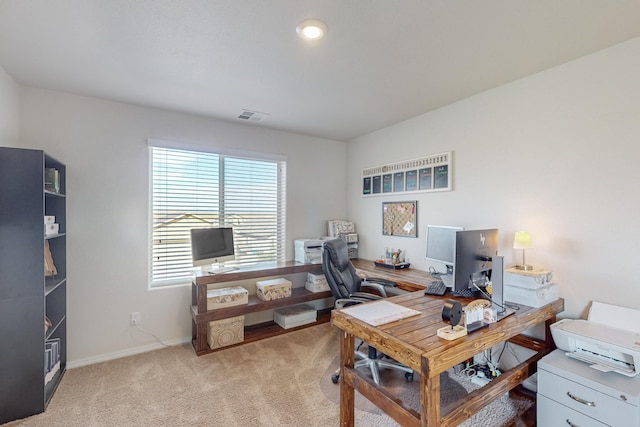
point(502, 314)
point(497, 288)
point(497, 295)
point(447, 279)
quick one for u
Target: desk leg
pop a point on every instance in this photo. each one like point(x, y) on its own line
point(430, 395)
point(347, 393)
point(548, 338)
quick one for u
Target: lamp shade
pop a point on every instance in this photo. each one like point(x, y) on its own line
point(522, 240)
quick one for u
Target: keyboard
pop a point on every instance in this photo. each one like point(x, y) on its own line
point(464, 293)
point(437, 287)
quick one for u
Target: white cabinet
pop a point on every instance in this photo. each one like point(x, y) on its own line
point(570, 393)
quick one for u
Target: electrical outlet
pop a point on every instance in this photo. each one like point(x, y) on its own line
point(136, 318)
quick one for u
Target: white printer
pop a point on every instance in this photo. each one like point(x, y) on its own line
point(308, 251)
point(607, 340)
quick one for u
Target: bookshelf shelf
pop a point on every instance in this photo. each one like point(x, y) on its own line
point(28, 297)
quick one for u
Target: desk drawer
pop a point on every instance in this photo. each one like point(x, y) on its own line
point(588, 401)
point(553, 414)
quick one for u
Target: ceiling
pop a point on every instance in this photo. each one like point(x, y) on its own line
point(381, 62)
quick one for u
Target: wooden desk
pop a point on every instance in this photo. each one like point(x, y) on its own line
point(408, 279)
point(200, 317)
point(414, 342)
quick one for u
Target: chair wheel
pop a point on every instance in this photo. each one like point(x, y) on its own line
point(336, 377)
point(408, 376)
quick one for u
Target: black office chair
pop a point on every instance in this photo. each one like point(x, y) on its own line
point(346, 287)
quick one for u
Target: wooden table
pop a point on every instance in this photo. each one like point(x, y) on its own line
point(414, 342)
point(409, 279)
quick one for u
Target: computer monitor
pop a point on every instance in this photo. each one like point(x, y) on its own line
point(211, 245)
point(441, 245)
point(474, 251)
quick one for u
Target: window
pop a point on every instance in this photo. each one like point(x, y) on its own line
point(191, 189)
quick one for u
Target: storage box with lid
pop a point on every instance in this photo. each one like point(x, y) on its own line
point(316, 283)
point(532, 279)
point(51, 229)
point(295, 315)
point(268, 290)
point(226, 332)
point(529, 296)
point(227, 297)
point(534, 288)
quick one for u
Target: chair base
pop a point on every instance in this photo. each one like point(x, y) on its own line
point(374, 363)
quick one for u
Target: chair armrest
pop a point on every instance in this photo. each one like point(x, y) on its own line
point(376, 286)
point(365, 296)
point(381, 281)
point(395, 291)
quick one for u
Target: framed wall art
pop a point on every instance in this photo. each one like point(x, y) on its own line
point(426, 174)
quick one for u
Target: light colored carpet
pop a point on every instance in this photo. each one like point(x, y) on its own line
point(277, 381)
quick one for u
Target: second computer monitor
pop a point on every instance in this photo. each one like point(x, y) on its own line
point(474, 251)
point(441, 245)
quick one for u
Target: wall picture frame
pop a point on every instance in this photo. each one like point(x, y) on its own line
point(400, 218)
point(426, 174)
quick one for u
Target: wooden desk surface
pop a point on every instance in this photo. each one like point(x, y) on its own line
point(409, 279)
point(257, 271)
point(411, 339)
point(414, 342)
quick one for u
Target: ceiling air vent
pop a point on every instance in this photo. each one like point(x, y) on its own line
point(252, 116)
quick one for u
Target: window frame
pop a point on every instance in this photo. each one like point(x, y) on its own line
point(224, 154)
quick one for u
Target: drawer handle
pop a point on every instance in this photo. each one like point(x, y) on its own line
point(577, 399)
point(570, 423)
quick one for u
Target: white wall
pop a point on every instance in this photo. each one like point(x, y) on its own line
point(555, 154)
point(9, 110)
point(104, 147)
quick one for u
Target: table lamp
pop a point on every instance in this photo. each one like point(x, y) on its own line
point(522, 240)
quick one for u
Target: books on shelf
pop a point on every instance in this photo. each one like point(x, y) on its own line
point(52, 180)
point(51, 358)
point(52, 373)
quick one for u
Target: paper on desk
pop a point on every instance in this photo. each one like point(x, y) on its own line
point(379, 312)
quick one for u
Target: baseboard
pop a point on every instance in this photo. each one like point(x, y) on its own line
point(124, 353)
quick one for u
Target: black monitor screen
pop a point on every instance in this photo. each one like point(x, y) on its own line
point(474, 251)
point(211, 245)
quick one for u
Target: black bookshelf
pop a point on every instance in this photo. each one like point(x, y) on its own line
point(28, 296)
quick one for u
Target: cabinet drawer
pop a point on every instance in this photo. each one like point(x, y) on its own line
point(553, 414)
point(585, 400)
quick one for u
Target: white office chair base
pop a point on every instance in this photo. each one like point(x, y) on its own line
point(374, 366)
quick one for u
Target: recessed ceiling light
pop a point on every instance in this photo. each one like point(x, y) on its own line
point(311, 29)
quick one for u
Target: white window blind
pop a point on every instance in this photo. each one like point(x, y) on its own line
point(192, 189)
